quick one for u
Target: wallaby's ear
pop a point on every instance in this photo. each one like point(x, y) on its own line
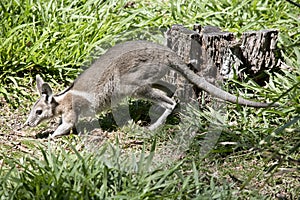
point(39, 83)
point(47, 91)
point(44, 88)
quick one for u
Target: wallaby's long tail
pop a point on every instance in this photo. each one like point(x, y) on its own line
point(217, 92)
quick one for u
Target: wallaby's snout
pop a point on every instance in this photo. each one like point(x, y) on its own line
point(29, 122)
point(32, 120)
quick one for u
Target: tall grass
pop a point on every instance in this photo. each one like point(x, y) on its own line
point(57, 38)
point(61, 174)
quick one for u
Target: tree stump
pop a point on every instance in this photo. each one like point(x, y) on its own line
point(218, 55)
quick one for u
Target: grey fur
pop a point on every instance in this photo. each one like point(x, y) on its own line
point(128, 69)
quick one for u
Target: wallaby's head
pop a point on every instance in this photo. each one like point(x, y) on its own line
point(44, 106)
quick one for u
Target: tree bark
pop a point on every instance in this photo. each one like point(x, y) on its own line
point(218, 55)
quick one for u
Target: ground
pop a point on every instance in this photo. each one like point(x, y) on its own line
point(245, 171)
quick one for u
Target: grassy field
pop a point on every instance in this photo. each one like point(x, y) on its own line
point(256, 154)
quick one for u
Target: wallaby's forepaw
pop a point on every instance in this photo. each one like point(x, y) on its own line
point(56, 135)
point(51, 136)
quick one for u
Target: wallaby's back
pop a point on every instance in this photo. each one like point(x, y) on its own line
point(123, 69)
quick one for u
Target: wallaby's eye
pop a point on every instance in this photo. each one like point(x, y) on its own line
point(38, 112)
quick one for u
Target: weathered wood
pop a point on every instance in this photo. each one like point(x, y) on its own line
point(258, 48)
point(218, 55)
point(185, 43)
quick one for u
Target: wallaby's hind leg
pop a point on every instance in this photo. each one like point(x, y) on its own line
point(162, 100)
point(162, 118)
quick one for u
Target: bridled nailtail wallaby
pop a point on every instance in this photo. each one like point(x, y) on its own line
point(129, 69)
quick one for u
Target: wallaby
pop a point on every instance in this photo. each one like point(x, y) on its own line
point(128, 69)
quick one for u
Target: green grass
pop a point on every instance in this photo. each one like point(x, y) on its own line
point(73, 175)
point(257, 154)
